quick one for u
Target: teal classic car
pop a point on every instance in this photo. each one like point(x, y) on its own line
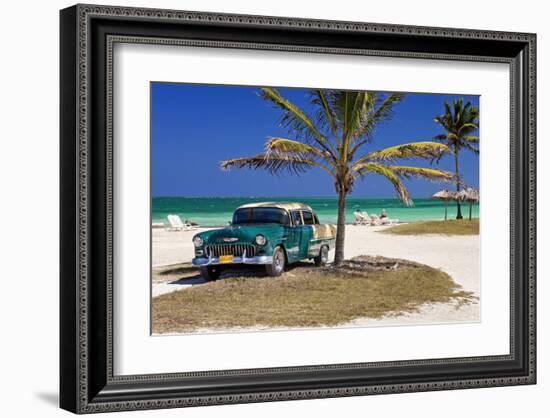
point(272, 234)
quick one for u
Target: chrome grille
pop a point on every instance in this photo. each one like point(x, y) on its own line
point(230, 249)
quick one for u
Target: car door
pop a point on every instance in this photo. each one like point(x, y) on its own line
point(307, 234)
point(294, 238)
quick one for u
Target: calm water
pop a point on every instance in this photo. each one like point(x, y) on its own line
point(216, 211)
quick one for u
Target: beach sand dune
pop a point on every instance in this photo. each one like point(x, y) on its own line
point(456, 255)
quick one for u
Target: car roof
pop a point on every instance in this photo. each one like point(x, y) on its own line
point(280, 205)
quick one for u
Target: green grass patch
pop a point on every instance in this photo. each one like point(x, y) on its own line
point(451, 227)
point(305, 296)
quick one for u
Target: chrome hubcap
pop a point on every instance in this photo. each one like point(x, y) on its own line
point(279, 261)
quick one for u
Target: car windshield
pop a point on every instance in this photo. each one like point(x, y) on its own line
point(260, 216)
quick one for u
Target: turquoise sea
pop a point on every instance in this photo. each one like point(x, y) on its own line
point(217, 211)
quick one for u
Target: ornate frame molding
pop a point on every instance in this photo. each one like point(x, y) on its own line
point(77, 392)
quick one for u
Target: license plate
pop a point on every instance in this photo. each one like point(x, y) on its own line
point(226, 259)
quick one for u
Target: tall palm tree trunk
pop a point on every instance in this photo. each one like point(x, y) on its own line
point(458, 209)
point(341, 228)
point(470, 211)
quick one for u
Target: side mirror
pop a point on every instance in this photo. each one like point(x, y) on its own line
point(229, 223)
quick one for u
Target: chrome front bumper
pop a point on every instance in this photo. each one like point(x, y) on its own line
point(259, 259)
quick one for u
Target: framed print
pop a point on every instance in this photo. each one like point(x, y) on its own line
point(261, 208)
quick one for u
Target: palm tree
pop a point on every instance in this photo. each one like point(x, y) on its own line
point(333, 139)
point(460, 122)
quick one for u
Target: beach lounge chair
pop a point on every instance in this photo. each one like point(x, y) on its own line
point(176, 224)
point(388, 221)
point(375, 220)
point(361, 218)
point(190, 224)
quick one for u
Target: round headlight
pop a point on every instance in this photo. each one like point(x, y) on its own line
point(198, 241)
point(260, 239)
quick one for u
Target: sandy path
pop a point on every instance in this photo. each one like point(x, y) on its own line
point(456, 255)
point(172, 247)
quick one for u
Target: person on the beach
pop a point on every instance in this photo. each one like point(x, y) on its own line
point(383, 214)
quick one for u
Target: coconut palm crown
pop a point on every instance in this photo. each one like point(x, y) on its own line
point(335, 138)
point(459, 121)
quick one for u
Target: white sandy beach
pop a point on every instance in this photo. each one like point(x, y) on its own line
point(457, 255)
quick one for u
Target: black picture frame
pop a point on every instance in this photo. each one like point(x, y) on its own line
point(87, 35)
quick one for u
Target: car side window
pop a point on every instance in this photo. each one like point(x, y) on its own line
point(316, 219)
point(308, 217)
point(296, 218)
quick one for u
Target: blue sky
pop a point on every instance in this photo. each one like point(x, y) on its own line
point(194, 127)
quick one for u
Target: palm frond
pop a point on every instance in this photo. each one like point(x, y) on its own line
point(471, 148)
point(295, 119)
point(383, 170)
point(275, 146)
point(448, 111)
point(409, 173)
point(444, 121)
point(326, 117)
point(358, 111)
point(275, 164)
point(356, 130)
point(427, 150)
point(471, 138)
point(457, 106)
point(380, 111)
point(343, 104)
point(467, 127)
point(284, 155)
point(384, 110)
point(460, 119)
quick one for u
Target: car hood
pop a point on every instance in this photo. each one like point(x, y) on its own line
point(241, 233)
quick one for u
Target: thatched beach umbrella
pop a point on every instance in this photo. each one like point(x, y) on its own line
point(444, 195)
point(469, 195)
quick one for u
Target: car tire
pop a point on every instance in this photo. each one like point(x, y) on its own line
point(277, 266)
point(322, 259)
point(210, 273)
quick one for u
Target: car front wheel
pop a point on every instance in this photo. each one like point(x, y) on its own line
point(322, 259)
point(209, 273)
point(277, 266)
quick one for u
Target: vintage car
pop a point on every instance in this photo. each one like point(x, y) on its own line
point(272, 234)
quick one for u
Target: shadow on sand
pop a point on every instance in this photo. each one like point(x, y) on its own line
point(253, 271)
point(249, 271)
point(189, 281)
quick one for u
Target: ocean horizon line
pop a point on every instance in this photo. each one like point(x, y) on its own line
point(215, 211)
